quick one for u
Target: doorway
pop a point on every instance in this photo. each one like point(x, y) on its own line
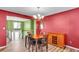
point(17, 32)
point(17, 28)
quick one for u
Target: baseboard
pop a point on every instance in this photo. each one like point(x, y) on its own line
point(2, 47)
point(76, 49)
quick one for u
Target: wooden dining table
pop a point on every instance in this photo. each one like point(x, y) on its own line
point(37, 37)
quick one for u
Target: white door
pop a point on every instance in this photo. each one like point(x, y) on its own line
point(16, 35)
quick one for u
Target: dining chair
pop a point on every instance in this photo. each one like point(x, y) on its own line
point(43, 42)
point(32, 43)
point(29, 41)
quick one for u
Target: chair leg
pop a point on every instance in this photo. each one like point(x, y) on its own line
point(47, 48)
point(29, 47)
point(25, 43)
point(38, 46)
point(41, 48)
point(32, 48)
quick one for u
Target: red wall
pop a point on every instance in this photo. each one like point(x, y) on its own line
point(66, 22)
point(3, 15)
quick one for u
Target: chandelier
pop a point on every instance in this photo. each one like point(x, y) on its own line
point(38, 15)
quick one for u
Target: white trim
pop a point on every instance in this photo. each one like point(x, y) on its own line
point(14, 18)
point(2, 47)
point(76, 49)
point(34, 26)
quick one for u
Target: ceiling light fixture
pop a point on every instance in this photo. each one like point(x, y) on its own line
point(38, 16)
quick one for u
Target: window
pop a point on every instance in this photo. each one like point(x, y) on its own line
point(16, 25)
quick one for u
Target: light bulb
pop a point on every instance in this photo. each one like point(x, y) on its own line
point(38, 15)
point(42, 17)
point(35, 16)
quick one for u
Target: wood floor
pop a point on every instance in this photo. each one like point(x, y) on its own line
point(18, 46)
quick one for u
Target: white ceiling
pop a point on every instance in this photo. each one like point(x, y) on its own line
point(33, 10)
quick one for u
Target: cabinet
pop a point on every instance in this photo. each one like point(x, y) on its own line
point(57, 39)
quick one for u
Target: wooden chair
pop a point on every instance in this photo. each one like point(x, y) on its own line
point(26, 41)
point(32, 43)
point(43, 42)
point(29, 41)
